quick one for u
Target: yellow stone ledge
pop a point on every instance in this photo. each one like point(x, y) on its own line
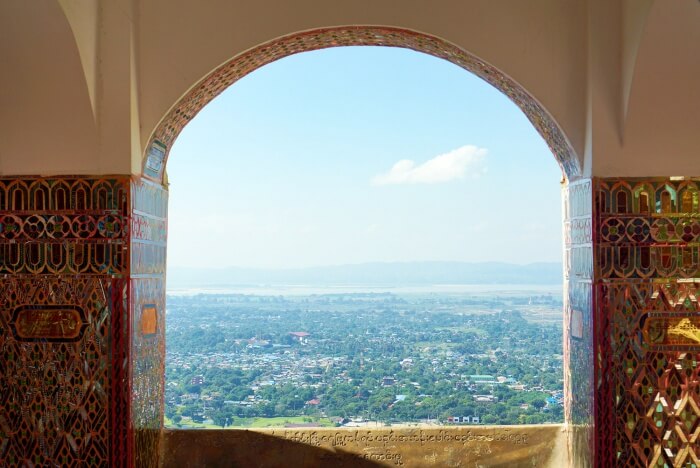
point(407, 446)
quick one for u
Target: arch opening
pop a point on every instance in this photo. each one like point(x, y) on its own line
point(270, 129)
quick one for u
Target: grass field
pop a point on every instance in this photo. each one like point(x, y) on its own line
point(281, 421)
point(243, 423)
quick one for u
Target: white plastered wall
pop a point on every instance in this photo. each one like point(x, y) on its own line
point(83, 84)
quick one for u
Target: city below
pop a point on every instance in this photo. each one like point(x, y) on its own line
point(305, 357)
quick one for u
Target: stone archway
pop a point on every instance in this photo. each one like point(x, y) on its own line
point(577, 193)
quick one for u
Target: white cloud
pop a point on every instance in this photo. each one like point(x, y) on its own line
point(457, 164)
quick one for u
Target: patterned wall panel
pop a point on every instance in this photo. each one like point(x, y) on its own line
point(148, 250)
point(63, 297)
point(230, 72)
point(648, 323)
point(578, 319)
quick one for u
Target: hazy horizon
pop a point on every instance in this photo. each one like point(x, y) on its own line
point(369, 276)
point(330, 265)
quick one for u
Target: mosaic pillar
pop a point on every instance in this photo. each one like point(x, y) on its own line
point(647, 279)
point(81, 321)
point(578, 319)
point(147, 294)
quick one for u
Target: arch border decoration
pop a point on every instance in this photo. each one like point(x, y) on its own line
point(225, 75)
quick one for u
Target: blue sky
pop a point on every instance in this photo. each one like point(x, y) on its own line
point(359, 154)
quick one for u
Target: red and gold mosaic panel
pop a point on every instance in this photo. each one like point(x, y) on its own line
point(55, 394)
point(63, 251)
point(647, 317)
point(227, 74)
point(63, 226)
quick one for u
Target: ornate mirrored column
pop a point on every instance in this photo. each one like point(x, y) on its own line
point(82, 263)
point(578, 319)
point(647, 274)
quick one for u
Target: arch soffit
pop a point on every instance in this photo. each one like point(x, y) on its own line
point(170, 126)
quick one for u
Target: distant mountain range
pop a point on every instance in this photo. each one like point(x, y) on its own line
point(395, 273)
